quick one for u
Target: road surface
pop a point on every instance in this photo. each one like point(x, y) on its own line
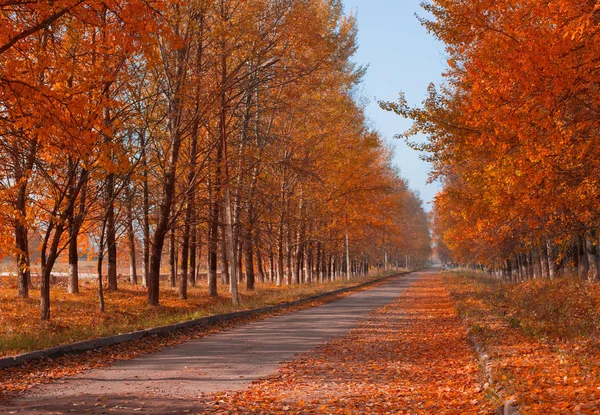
point(172, 380)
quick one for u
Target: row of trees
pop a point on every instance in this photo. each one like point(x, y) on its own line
point(515, 135)
point(207, 134)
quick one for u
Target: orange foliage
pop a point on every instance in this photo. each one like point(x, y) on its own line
point(514, 129)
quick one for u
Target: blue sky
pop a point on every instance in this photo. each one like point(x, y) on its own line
point(401, 56)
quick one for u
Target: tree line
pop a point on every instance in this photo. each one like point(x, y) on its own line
point(207, 134)
point(514, 135)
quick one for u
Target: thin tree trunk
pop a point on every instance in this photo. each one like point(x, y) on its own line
point(272, 276)
point(288, 255)
point(73, 252)
point(50, 250)
point(552, 268)
point(73, 286)
point(183, 280)
point(544, 261)
point(170, 173)
point(259, 260)
point(231, 251)
point(225, 277)
point(249, 260)
point(348, 271)
point(133, 279)
point(111, 233)
point(172, 259)
point(280, 254)
point(23, 262)
point(101, 306)
point(213, 237)
point(194, 241)
point(319, 274)
point(584, 264)
point(21, 228)
point(146, 216)
point(307, 256)
point(188, 226)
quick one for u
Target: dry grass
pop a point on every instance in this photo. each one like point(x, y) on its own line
point(76, 317)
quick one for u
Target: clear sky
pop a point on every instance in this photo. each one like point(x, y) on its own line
point(401, 56)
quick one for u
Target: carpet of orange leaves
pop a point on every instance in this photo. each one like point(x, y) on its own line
point(410, 357)
point(545, 361)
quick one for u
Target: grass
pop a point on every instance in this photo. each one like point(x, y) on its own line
point(76, 317)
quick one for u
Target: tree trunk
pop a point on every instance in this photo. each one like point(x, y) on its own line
point(272, 276)
point(307, 256)
point(111, 233)
point(133, 279)
point(74, 222)
point(194, 241)
point(225, 277)
point(348, 270)
point(213, 237)
point(552, 267)
point(21, 228)
point(146, 216)
point(49, 254)
point(101, 306)
point(544, 261)
point(73, 287)
point(233, 281)
point(280, 254)
point(183, 280)
point(249, 260)
point(170, 172)
point(172, 259)
point(288, 255)
point(319, 275)
point(593, 259)
point(259, 260)
point(23, 262)
point(584, 264)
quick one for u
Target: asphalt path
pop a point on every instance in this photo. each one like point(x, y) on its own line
point(171, 381)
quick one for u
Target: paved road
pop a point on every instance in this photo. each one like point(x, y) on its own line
point(172, 380)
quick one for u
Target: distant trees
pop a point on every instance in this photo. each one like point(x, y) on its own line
point(514, 135)
point(223, 130)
